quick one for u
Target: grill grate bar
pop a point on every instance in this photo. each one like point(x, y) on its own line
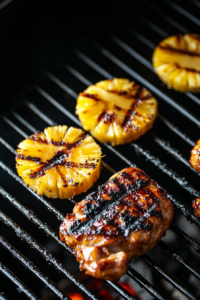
point(32, 217)
point(176, 130)
point(76, 74)
point(21, 287)
point(93, 65)
point(187, 238)
point(145, 284)
point(178, 258)
point(167, 277)
point(132, 52)
point(32, 107)
point(120, 290)
point(180, 206)
point(23, 235)
point(60, 216)
point(24, 122)
point(195, 2)
point(184, 12)
point(9, 147)
point(167, 18)
point(30, 266)
point(158, 92)
point(15, 127)
point(163, 167)
point(3, 297)
point(173, 151)
point(58, 106)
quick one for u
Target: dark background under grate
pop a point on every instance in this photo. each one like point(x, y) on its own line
point(54, 59)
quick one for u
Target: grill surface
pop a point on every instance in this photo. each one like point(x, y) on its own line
point(29, 222)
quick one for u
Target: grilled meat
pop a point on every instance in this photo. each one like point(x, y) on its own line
point(116, 111)
point(195, 157)
point(176, 61)
point(196, 206)
point(126, 216)
point(59, 162)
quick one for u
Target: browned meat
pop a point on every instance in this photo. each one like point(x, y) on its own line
point(196, 206)
point(195, 157)
point(126, 216)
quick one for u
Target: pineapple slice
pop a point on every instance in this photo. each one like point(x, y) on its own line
point(59, 162)
point(195, 157)
point(116, 111)
point(176, 61)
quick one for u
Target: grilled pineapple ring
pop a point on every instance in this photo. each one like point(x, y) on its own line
point(59, 162)
point(116, 111)
point(176, 61)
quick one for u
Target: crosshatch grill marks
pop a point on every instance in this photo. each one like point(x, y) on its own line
point(116, 111)
point(124, 203)
point(57, 159)
point(60, 163)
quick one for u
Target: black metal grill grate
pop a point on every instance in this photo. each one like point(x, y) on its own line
point(124, 51)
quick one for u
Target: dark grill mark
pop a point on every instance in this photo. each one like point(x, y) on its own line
point(182, 51)
point(59, 159)
point(147, 96)
point(120, 93)
point(92, 96)
point(36, 138)
point(31, 158)
point(117, 107)
point(127, 125)
point(101, 214)
point(107, 118)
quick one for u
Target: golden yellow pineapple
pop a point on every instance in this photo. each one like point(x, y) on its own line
point(116, 111)
point(176, 61)
point(59, 162)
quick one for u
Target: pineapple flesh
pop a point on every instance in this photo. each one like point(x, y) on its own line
point(59, 163)
point(116, 111)
point(176, 61)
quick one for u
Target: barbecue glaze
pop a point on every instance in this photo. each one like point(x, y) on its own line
point(126, 216)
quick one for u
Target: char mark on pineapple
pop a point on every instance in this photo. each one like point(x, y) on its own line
point(59, 159)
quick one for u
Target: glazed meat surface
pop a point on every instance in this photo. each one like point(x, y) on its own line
point(124, 218)
point(195, 157)
point(196, 206)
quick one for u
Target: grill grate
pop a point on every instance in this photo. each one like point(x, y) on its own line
point(90, 64)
